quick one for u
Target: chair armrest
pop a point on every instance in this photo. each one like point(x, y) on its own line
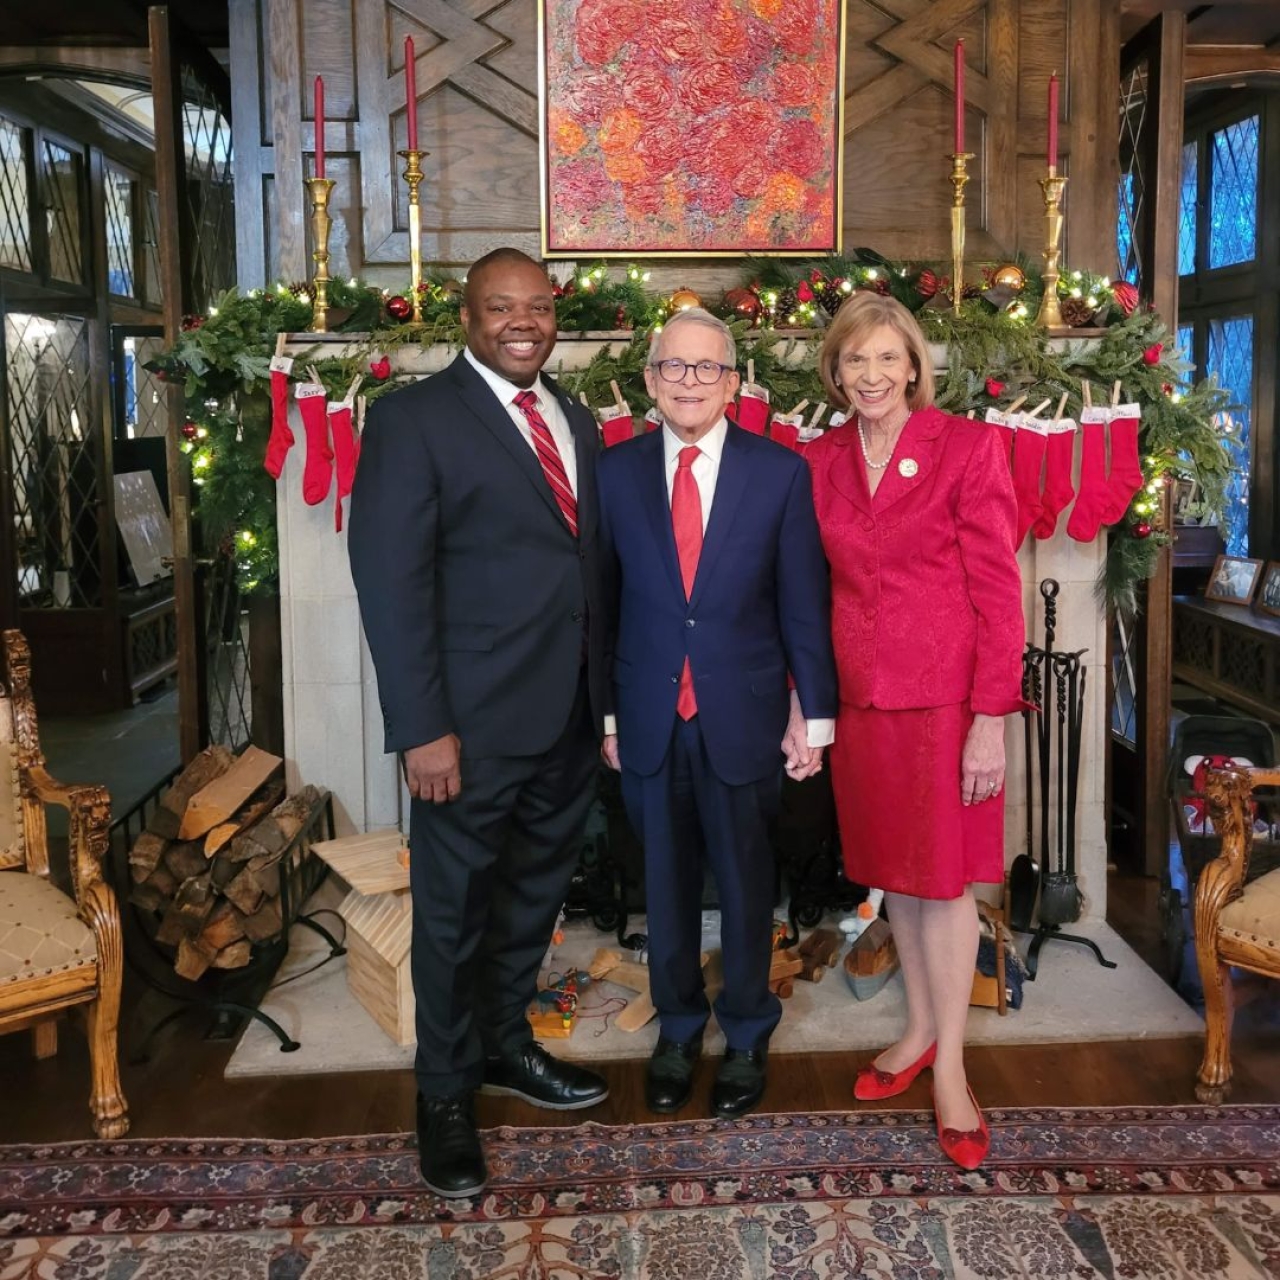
point(88, 809)
point(1230, 795)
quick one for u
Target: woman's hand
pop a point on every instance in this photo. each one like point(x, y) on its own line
point(982, 761)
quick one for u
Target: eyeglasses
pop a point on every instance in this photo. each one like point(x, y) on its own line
point(707, 372)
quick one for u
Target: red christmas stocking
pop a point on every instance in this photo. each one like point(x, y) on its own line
point(753, 408)
point(281, 439)
point(1091, 500)
point(652, 420)
point(1007, 432)
point(1125, 477)
point(1058, 489)
point(786, 431)
point(317, 474)
point(616, 424)
point(1028, 460)
point(346, 453)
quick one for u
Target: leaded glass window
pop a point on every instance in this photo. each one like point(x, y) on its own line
point(151, 249)
point(62, 211)
point(1233, 193)
point(1187, 199)
point(15, 198)
point(1132, 192)
point(1230, 360)
point(118, 190)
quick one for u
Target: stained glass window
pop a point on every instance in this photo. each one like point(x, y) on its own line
point(118, 188)
point(1186, 348)
point(1233, 193)
point(1126, 250)
point(1230, 360)
point(1187, 209)
point(15, 199)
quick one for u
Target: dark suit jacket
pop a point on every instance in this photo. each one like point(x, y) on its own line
point(760, 605)
point(473, 592)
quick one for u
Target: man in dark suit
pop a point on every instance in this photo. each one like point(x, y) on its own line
point(473, 543)
point(718, 588)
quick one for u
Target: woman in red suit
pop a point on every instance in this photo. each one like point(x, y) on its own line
point(918, 514)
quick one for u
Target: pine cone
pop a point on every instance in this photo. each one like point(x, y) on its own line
point(785, 307)
point(830, 296)
point(1076, 312)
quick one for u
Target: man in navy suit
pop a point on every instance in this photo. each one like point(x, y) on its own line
point(474, 550)
point(718, 589)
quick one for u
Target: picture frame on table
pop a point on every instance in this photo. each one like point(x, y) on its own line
point(667, 133)
point(1269, 591)
point(1184, 500)
point(1233, 579)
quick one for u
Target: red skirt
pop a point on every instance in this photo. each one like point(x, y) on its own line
point(903, 828)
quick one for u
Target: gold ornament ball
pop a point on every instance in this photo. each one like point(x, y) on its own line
point(1010, 276)
point(683, 299)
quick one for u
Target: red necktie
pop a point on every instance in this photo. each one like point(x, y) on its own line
point(686, 520)
point(549, 456)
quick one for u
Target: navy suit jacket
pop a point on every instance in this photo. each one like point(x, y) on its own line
point(760, 605)
point(475, 595)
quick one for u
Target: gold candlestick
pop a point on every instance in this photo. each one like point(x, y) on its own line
point(1050, 314)
point(413, 176)
point(320, 189)
point(959, 176)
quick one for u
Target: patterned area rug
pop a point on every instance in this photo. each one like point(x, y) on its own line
point(1164, 1192)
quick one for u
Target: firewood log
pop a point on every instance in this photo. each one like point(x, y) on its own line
point(147, 851)
point(245, 892)
point(166, 818)
point(185, 859)
point(224, 926)
point(265, 923)
point(262, 802)
point(191, 960)
point(189, 910)
point(236, 956)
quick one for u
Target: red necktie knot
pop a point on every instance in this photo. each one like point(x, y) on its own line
point(689, 455)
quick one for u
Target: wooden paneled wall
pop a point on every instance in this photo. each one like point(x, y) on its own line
point(478, 117)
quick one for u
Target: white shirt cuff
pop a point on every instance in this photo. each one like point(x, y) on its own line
point(611, 726)
point(821, 733)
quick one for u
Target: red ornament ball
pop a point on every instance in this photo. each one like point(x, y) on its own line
point(399, 307)
point(1142, 529)
point(189, 430)
point(744, 302)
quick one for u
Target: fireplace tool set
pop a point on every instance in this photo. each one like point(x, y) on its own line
point(1054, 682)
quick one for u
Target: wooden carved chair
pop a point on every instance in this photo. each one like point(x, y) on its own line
point(1236, 924)
point(57, 950)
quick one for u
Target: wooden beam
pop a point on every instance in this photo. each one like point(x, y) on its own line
point(1209, 62)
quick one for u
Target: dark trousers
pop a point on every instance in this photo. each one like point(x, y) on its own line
point(688, 819)
point(489, 872)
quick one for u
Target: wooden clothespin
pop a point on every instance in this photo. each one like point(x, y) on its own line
point(817, 416)
point(800, 408)
point(582, 399)
point(617, 392)
point(281, 339)
point(1062, 404)
point(1041, 407)
point(313, 375)
point(1086, 393)
point(970, 414)
point(1016, 405)
point(1115, 393)
point(361, 404)
point(349, 398)
point(751, 371)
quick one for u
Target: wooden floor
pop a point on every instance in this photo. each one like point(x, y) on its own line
point(180, 1092)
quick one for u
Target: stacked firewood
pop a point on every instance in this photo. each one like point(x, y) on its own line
point(208, 864)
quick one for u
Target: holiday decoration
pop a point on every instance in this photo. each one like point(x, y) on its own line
point(190, 430)
point(1058, 490)
point(1124, 476)
point(1126, 296)
point(1151, 356)
point(683, 299)
point(381, 368)
point(281, 440)
point(1142, 529)
point(1093, 498)
point(399, 307)
point(1076, 312)
point(1009, 276)
point(993, 388)
point(317, 476)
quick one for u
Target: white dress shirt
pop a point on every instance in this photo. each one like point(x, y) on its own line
point(547, 405)
point(706, 471)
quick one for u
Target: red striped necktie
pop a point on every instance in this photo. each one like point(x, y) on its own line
point(549, 456)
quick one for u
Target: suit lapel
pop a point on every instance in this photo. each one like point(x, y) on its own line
point(652, 490)
point(913, 460)
point(586, 444)
point(848, 472)
point(731, 484)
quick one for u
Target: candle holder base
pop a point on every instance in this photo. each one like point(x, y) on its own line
point(1050, 314)
point(959, 179)
point(320, 189)
point(413, 175)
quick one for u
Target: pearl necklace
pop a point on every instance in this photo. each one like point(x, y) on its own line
point(866, 454)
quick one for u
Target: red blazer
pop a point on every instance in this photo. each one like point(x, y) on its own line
point(926, 591)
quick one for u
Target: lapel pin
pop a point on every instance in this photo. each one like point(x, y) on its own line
point(908, 467)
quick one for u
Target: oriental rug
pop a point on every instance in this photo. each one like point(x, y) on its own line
point(1183, 1193)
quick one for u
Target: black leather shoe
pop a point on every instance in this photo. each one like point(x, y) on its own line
point(668, 1082)
point(739, 1082)
point(449, 1153)
point(533, 1074)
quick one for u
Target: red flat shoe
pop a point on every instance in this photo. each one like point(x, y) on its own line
point(871, 1083)
point(967, 1147)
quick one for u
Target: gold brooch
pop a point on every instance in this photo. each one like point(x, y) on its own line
point(908, 467)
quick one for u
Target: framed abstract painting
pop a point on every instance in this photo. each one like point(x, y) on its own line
point(691, 127)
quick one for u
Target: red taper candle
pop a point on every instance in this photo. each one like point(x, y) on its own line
point(411, 92)
point(959, 139)
point(319, 115)
point(1053, 122)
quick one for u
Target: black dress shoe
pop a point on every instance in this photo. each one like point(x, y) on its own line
point(739, 1082)
point(668, 1082)
point(533, 1074)
point(449, 1153)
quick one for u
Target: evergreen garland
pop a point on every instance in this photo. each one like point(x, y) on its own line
point(994, 355)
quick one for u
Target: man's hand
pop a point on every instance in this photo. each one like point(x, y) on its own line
point(432, 770)
point(609, 751)
point(982, 761)
point(800, 759)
